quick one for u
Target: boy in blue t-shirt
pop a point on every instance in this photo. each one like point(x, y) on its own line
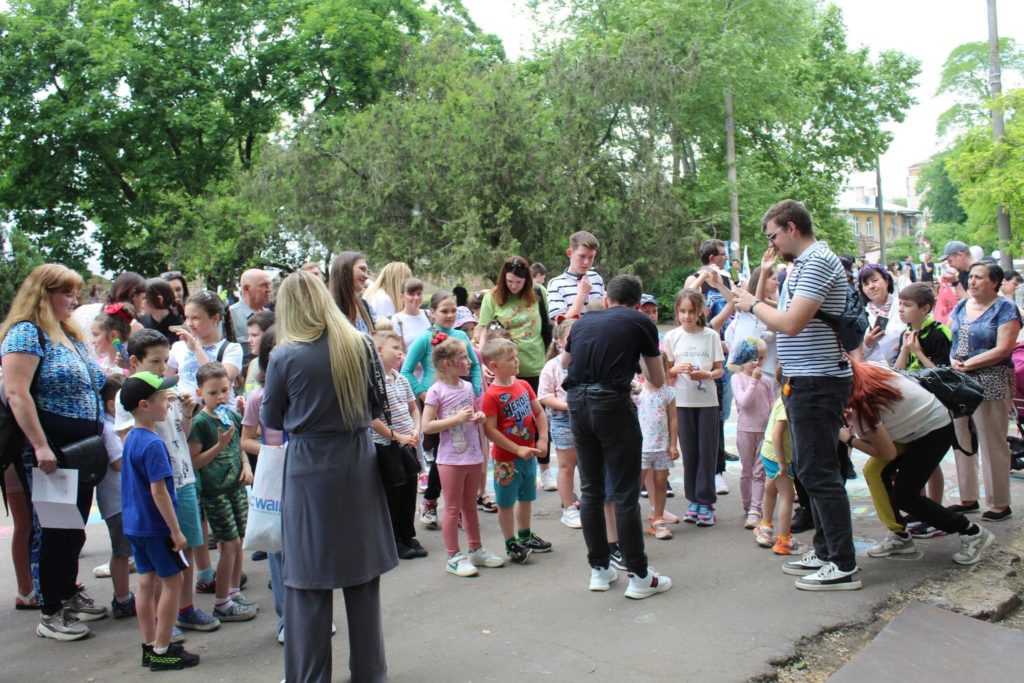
point(150, 521)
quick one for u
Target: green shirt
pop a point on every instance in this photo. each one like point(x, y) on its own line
point(220, 474)
point(523, 325)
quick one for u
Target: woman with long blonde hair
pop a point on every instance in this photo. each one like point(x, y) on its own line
point(385, 294)
point(330, 458)
point(52, 387)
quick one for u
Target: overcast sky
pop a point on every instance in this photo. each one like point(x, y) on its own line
point(925, 29)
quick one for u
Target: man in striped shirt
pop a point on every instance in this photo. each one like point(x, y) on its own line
point(570, 292)
point(816, 387)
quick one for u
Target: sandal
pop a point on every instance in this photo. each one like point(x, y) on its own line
point(26, 602)
point(486, 504)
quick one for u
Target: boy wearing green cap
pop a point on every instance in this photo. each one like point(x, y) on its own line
point(150, 521)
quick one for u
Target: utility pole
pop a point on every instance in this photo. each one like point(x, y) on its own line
point(881, 213)
point(730, 162)
point(998, 128)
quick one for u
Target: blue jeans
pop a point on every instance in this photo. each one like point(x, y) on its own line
point(277, 588)
point(815, 411)
point(607, 435)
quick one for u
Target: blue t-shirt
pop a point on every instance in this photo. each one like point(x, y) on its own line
point(65, 386)
point(144, 460)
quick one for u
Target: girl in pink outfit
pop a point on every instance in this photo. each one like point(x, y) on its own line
point(754, 394)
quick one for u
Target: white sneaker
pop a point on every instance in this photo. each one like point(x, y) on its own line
point(481, 557)
point(830, 578)
point(971, 547)
point(893, 544)
point(459, 565)
point(753, 519)
point(549, 480)
point(641, 587)
point(721, 488)
point(571, 517)
point(602, 578)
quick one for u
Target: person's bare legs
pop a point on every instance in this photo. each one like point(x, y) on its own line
point(784, 485)
point(609, 521)
point(21, 512)
point(119, 575)
point(566, 475)
point(768, 505)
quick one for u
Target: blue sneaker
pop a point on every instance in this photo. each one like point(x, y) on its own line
point(705, 516)
point(196, 619)
point(691, 513)
point(176, 635)
point(120, 610)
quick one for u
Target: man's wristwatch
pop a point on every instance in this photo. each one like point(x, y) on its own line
point(756, 302)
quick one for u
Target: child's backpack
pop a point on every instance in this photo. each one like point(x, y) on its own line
point(12, 439)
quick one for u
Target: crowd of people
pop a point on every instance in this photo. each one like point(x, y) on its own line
point(179, 394)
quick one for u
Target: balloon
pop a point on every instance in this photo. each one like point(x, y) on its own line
point(997, 254)
point(977, 253)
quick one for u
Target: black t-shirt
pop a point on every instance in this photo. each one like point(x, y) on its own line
point(928, 273)
point(962, 276)
point(164, 326)
point(606, 347)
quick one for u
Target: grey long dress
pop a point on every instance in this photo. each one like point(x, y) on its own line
point(336, 531)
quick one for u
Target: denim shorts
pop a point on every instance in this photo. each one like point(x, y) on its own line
point(188, 516)
point(771, 468)
point(515, 481)
point(155, 555)
point(561, 429)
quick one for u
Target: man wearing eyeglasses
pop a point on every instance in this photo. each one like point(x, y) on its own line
point(254, 289)
point(817, 381)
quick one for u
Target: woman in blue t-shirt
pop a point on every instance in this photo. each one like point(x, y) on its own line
point(985, 327)
point(52, 387)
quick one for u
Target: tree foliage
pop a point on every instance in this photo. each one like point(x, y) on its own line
point(941, 197)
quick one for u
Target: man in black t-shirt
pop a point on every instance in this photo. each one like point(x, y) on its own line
point(603, 352)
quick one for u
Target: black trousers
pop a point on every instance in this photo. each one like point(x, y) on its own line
point(905, 476)
point(402, 509)
point(607, 435)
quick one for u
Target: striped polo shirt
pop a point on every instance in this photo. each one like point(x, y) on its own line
point(563, 289)
point(816, 274)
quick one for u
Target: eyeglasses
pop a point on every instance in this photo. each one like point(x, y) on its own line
point(517, 268)
point(771, 237)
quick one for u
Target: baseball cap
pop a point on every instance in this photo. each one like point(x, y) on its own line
point(462, 316)
point(953, 247)
point(648, 299)
point(141, 386)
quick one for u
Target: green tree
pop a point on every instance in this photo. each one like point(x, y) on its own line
point(941, 196)
point(965, 76)
point(18, 256)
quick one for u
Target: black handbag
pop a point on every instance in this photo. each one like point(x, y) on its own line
point(88, 455)
point(397, 462)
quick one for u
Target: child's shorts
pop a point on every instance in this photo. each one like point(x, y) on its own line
point(657, 460)
point(188, 516)
point(119, 545)
point(515, 481)
point(227, 514)
point(155, 555)
point(561, 429)
point(771, 468)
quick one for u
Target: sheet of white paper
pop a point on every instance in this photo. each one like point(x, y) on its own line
point(54, 498)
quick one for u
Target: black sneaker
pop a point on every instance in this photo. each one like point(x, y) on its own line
point(535, 543)
point(669, 493)
point(174, 659)
point(147, 652)
point(517, 552)
point(729, 457)
point(973, 507)
point(404, 551)
point(990, 516)
point(802, 521)
point(616, 560)
point(922, 530)
point(417, 548)
point(643, 491)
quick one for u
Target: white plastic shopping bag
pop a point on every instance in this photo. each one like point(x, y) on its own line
point(263, 528)
point(746, 345)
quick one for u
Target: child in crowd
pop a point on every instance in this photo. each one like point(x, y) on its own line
point(404, 429)
point(108, 499)
point(110, 332)
point(925, 343)
point(695, 352)
point(412, 320)
point(552, 396)
point(151, 523)
point(224, 472)
point(465, 321)
point(258, 323)
point(570, 292)
point(449, 412)
point(148, 351)
point(754, 394)
point(777, 460)
point(518, 430)
point(656, 410)
point(201, 342)
point(420, 356)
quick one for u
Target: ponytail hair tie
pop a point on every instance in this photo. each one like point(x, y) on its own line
point(438, 338)
point(119, 310)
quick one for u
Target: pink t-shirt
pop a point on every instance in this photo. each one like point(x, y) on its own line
point(753, 402)
point(459, 445)
point(253, 401)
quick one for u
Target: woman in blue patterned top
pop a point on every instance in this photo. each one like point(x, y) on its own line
point(63, 407)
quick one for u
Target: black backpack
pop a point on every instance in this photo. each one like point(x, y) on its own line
point(12, 439)
point(851, 325)
point(957, 391)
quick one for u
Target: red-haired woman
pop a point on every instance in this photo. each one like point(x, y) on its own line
point(894, 419)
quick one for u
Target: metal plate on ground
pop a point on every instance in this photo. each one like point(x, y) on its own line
point(926, 643)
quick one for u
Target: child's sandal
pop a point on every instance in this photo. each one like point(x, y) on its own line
point(26, 602)
point(486, 504)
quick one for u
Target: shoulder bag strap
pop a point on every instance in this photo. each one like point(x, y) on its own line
point(92, 383)
point(378, 379)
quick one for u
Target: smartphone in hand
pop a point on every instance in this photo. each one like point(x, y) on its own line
point(881, 322)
